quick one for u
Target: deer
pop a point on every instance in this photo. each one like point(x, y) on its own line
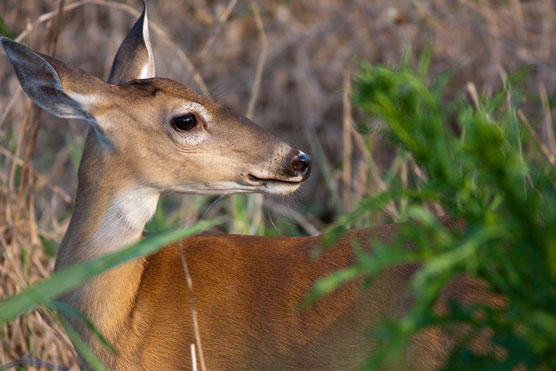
point(150, 135)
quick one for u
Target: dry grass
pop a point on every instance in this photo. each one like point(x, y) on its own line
point(284, 63)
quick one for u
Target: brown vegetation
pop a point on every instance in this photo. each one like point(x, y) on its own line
point(286, 64)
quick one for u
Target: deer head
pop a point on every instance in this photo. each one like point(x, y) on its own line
point(155, 132)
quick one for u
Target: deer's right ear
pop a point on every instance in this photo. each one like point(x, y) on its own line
point(57, 87)
point(134, 59)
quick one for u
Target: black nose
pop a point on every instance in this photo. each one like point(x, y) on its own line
point(301, 164)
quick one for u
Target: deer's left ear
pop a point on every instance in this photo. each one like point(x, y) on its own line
point(134, 59)
point(58, 87)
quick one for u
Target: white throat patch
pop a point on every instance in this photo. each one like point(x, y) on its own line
point(126, 217)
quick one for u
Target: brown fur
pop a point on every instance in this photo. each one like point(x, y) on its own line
point(247, 292)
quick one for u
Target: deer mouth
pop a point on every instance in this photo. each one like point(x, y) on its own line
point(274, 185)
point(262, 181)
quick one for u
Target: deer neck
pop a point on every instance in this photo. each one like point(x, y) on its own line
point(110, 213)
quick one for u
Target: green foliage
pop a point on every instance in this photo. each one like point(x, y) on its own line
point(76, 150)
point(4, 30)
point(82, 347)
point(47, 245)
point(483, 168)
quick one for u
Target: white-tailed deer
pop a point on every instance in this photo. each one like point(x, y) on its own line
point(152, 135)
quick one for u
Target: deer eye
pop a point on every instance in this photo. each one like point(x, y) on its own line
point(185, 122)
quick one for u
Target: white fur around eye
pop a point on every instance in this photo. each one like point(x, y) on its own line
point(190, 139)
point(195, 136)
point(196, 108)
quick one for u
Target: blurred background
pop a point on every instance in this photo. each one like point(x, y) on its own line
point(285, 64)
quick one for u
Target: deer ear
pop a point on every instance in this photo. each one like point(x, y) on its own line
point(57, 87)
point(134, 59)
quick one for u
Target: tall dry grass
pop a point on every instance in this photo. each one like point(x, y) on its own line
point(286, 64)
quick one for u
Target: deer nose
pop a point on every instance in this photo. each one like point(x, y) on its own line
point(301, 164)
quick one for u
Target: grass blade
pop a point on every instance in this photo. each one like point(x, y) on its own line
point(74, 276)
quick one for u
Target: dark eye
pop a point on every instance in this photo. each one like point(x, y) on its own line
point(185, 122)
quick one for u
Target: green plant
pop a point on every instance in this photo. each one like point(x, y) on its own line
point(481, 166)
